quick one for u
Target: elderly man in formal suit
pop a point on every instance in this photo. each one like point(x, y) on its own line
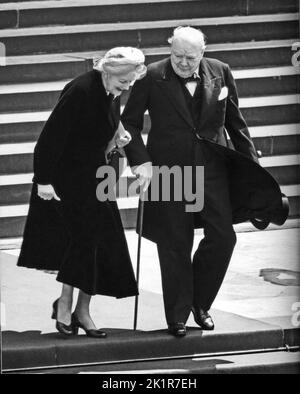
point(191, 101)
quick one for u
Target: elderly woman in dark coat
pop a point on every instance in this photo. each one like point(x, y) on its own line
point(68, 229)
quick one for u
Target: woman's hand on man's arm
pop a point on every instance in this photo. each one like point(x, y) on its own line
point(122, 137)
point(123, 140)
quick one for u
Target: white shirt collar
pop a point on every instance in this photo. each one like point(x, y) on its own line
point(196, 73)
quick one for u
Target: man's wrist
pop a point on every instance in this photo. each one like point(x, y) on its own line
point(134, 168)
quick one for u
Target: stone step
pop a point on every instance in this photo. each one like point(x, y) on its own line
point(259, 115)
point(54, 67)
point(234, 335)
point(249, 363)
point(283, 145)
point(250, 83)
point(285, 175)
point(53, 13)
point(146, 34)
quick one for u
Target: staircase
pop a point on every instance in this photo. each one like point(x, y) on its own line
point(50, 42)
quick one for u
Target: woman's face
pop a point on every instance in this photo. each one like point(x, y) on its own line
point(116, 84)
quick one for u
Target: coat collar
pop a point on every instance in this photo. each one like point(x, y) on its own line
point(112, 107)
point(208, 90)
point(171, 85)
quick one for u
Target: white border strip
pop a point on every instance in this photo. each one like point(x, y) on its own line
point(279, 161)
point(27, 5)
point(24, 117)
point(16, 179)
point(56, 86)
point(291, 190)
point(275, 130)
point(16, 149)
point(269, 101)
point(9, 211)
point(106, 27)
point(265, 72)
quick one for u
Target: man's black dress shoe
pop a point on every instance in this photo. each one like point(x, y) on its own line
point(177, 329)
point(203, 319)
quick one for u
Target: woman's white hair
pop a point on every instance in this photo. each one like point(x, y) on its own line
point(122, 60)
point(188, 33)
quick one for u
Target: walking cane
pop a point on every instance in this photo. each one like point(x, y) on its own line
point(140, 230)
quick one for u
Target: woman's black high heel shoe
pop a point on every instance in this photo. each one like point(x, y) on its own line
point(90, 333)
point(65, 329)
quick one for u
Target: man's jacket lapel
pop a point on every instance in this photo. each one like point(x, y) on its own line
point(114, 112)
point(112, 107)
point(209, 89)
point(171, 86)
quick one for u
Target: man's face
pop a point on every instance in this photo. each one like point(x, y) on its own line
point(186, 57)
point(116, 84)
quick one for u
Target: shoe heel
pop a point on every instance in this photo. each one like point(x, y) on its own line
point(54, 310)
point(75, 330)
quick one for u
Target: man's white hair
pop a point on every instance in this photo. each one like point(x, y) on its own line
point(190, 34)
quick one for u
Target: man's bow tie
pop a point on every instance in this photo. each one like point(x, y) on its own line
point(193, 78)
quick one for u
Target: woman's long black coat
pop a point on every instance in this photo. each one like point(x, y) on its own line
point(79, 236)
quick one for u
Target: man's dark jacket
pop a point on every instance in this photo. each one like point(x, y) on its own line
point(174, 135)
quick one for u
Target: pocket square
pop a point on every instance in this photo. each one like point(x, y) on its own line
point(223, 94)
